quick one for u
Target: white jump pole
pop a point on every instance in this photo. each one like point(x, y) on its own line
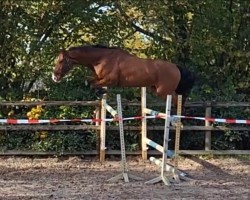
point(124, 175)
point(144, 124)
point(164, 174)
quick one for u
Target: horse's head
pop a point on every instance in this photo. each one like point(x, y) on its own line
point(63, 66)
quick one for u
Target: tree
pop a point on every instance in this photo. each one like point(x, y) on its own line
point(209, 37)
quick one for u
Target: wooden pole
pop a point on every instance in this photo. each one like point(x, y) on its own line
point(177, 138)
point(103, 128)
point(98, 124)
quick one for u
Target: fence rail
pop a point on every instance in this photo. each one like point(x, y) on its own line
point(50, 103)
point(38, 127)
point(124, 103)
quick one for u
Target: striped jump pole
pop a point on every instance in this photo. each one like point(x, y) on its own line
point(154, 113)
point(112, 111)
point(118, 115)
point(169, 167)
point(158, 147)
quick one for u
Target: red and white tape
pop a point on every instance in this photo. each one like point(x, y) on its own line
point(228, 121)
point(46, 121)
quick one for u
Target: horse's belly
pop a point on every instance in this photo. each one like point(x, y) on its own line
point(136, 81)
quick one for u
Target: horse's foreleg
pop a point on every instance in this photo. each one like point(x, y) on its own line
point(91, 79)
point(175, 102)
point(100, 92)
point(153, 89)
point(98, 86)
point(175, 99)
point(99, 83)
point(105, 82)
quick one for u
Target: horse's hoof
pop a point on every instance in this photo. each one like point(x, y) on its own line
point(175, 124)
point(100, 92)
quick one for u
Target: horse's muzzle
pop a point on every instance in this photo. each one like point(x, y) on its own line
point(55, 79)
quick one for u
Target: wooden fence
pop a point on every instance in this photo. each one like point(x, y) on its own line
point(207, 128)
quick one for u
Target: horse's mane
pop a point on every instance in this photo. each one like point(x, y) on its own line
point(103, 46)
point(99, 46)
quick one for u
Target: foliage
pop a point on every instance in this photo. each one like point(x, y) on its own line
point(209, 37)
point(44, 141)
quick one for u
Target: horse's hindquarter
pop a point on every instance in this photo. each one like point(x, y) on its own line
point(136, 72)
point(168, 74)
point(168, 78)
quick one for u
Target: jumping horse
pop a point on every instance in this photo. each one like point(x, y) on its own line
point(112, 66)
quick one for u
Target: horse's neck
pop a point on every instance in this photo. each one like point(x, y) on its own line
point(87, 57)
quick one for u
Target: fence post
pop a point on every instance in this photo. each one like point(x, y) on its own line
point(208, 112)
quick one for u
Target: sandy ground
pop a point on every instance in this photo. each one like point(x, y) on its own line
point(86, 178)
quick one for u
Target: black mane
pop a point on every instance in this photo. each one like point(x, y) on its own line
point(103, 46)
point(100, 46)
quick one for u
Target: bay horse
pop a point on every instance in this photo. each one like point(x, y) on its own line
point(112, 66)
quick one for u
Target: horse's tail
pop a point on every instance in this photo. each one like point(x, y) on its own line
point(186, 83)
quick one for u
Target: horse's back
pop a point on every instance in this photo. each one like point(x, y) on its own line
point(142, 72)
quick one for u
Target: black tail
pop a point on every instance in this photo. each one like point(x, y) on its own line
point(186, 83)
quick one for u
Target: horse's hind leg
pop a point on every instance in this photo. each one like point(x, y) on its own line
point(163, 94)
point(175, 101)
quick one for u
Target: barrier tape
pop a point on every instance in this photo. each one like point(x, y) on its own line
point(46, 121)
point(220, 120)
